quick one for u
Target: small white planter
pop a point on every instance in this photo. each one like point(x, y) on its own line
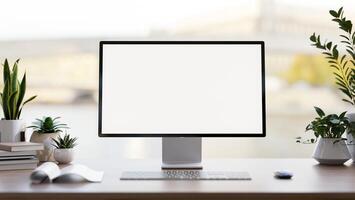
point(46, 139)
point(351, 146)
point(330, 152)
point(349, 137)
point(64, 156)
point(10, 130)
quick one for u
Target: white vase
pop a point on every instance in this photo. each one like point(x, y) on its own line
point(350, 138)
point(10, 130)
point(46, 139)
point(64, 156)
point(331, 151)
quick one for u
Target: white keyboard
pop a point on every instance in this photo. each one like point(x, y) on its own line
point(184, 175)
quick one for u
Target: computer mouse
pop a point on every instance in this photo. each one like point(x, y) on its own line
point(283, 174)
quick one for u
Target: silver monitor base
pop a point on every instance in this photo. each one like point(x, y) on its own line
point(182, 153)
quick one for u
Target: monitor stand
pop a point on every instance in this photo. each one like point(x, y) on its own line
point(182, 153)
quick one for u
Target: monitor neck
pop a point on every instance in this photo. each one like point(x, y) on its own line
point(182, 153)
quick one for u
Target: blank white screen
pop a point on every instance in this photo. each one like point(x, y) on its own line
point(181, 89)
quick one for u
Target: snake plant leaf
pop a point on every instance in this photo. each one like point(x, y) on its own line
point(29, 99)
point(6, 73)
point(19, 113)
point(22, 91)
point(5, 97)
point(10, 108)
point(13, 78)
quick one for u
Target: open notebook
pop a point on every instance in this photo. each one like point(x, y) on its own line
point(50, 172)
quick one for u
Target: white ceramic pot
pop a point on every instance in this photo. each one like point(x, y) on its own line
point(64, 156)
point(331, 151)
point(10, 130)
point(351, 146)
point(46, 139)
point(350, 138)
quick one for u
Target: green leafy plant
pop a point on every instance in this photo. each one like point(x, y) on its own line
point(343, 64)
point(327, 126)
point(13, 92)
point(48, 125)
point(66, 142)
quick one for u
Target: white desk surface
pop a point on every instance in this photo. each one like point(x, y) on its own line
point(310, 181)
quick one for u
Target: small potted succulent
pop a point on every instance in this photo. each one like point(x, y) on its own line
point(64, 149)
point(328, 130)
point(44, 130)
point(12, 103)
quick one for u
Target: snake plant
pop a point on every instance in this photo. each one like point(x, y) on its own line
point(12, 96)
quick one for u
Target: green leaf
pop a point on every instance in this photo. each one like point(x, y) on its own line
point(341, 84)
point(319, 111)
point(6, 73)
point(346, 92)
point(336, 20)
point(10, 107)
point(29, 99)
point(13, 77)
point(334, 66)
point(340, 11)
point(335, 52)
point(342, 58)
point(344, 36)
point(5, 98)
point(329, 45)
point(346, 42)
point(342, 115)
point(337, 75)
point(351, 53)
point(333, 13)
point(19, 113)
point(313, 37)
point(22, 91)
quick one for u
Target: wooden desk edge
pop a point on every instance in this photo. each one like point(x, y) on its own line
point(187, 196)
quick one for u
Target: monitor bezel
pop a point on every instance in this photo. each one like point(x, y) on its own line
point(101, 134)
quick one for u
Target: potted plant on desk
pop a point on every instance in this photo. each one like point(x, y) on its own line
point(44, 130)
point(12, 102)
point(331, 148)
point(64, 149)
point(343, 65)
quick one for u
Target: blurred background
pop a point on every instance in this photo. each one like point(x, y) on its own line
point(57, 42)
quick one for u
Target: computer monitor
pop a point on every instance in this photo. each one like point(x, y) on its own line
point(181, 91)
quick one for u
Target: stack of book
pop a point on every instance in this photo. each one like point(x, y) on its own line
point(19, 155)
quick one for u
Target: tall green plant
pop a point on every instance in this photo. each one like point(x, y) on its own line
point(343, 64)
point(13, 92)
